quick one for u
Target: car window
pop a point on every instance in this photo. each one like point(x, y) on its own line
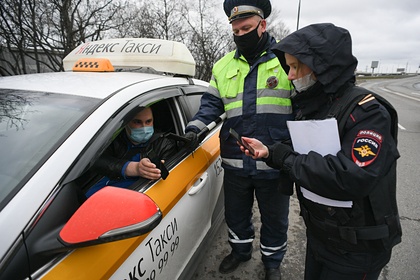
point(167, 119)
point(71, 194)
point(165, 123)
point(192, 99)
point(32, 126)
point(194, 102)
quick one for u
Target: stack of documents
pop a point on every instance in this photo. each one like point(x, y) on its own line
point(320, 136)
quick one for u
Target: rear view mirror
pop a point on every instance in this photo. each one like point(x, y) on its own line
point(110, 214)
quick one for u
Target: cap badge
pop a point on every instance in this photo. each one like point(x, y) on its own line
point(272, 82)
point(235, 10)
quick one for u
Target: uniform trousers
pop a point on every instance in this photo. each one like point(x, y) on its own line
point(274, 210)
point(324, 262)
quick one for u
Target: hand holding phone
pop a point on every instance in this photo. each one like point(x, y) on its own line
point(239, 139)
point(158, 162)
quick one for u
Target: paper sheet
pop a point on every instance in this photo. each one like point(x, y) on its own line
point(320, 136)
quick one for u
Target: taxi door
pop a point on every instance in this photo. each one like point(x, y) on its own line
point(186, 199)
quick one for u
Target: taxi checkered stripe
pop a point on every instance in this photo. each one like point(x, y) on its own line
point(87, 64)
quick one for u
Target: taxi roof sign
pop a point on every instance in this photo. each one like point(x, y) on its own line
point(93, 64)
point(160, 55)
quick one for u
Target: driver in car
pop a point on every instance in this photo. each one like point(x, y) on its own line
point(127, 158)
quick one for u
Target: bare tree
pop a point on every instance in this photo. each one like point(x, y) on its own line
point(210, 38)
point(35, 35)
point(53, 28)
point(11, 109)
point(167, 20)
point(275, 26)
point(12, 36)
point(191, 22)
point(134, 21)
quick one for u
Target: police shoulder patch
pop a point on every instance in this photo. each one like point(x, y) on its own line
point(366, 147)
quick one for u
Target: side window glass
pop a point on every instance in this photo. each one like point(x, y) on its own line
point(194, 101)
point(109, 167)
point(163, 117)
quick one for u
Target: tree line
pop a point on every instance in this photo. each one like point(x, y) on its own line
point(45, 31)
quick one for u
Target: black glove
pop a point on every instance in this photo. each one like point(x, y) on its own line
point(280, 153)
point(286, 183)
point(192, 136)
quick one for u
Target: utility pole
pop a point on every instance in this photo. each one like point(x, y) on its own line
point(297, 27)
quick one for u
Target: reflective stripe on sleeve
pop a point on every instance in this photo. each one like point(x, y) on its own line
point(213, 91)
point(197, 123)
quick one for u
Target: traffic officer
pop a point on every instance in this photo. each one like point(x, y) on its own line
point(347, 200)
point(251, 87)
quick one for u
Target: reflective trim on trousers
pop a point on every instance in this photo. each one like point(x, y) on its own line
point(268, 251)
point(235, 239)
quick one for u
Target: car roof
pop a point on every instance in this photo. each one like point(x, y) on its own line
point(89, 84)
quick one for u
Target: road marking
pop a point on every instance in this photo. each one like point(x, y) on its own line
point(397, 93)
point(400, 94)
point(416, 93)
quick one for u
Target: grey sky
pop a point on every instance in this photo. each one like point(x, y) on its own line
point(382, 30)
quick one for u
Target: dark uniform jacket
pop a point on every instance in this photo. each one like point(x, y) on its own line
point(363, 171)
point(112, 161)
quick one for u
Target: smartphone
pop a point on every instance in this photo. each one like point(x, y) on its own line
point(239, 139)
point(159, 165)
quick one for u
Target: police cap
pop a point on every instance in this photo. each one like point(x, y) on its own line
point(236, 9)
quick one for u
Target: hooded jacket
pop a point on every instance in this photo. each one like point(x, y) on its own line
point(364, 170)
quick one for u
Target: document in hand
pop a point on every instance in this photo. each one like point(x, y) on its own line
point(320, 136)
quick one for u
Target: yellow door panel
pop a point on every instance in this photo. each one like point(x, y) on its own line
point(101, 261)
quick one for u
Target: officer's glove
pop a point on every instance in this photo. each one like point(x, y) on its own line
point(193, 143)
point(278, 153)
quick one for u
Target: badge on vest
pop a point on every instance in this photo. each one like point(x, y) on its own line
point(366, 147)
point(272, 82)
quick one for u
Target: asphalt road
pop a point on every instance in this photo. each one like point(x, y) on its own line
point(404, 94)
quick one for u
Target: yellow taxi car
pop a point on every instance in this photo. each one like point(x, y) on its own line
point(53, 126)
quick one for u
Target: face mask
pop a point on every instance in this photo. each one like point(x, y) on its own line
point(142, 134)
point(248, 43)
point(304, 83)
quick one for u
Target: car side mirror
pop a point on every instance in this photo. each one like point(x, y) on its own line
point(110, 214)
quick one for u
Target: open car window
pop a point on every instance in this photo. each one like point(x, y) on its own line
point(169, 121)
point(70, 195)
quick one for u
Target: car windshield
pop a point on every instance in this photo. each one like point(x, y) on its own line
point(32, 126)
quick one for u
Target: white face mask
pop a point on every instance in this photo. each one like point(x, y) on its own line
point(304, 83)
